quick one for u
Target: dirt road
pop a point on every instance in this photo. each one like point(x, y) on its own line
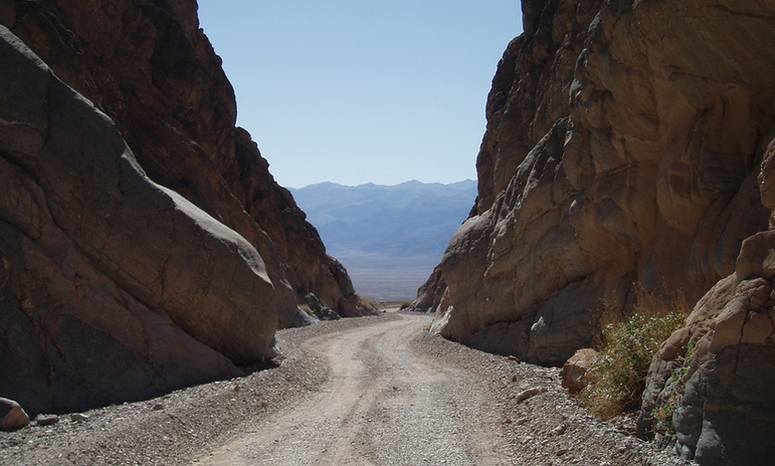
point(383, 403)
point(372, 390)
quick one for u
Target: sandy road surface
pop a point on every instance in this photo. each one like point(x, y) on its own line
point(382, 404)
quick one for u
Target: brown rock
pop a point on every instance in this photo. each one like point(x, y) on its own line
point(724, 408)
point(529, 393)
point(44, 420)
point(620, 154)
point(575, 368)
point(150, 68)
point(115, 287)
point(630, 146)
point(12, 415)
point(723, 404)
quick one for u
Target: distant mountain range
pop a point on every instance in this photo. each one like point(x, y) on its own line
point(407, 219)
point(388, 237)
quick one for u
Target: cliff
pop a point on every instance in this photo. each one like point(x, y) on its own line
point(144, 243)
point(150, 68)
point(625, 152)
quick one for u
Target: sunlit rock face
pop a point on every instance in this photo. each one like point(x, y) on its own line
point(144, 245)
point(622, 150)
point(625, 152)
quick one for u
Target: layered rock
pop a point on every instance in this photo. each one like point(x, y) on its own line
point(150, 68)
point(621, 153)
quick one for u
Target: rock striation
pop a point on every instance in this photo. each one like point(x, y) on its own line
point(144, 245)
point(627, 149)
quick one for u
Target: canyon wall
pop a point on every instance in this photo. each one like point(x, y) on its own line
point(624, 159)
point(621, 154)
point(149, 66)
point(144, 245)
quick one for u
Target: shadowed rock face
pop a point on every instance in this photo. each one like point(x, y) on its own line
point(113, 287)
point(148, 66)
point(622, 146)
point(723, 404)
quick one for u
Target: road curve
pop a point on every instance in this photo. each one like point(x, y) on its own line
point(382, 403)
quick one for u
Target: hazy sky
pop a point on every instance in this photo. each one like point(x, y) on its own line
point(355, 91)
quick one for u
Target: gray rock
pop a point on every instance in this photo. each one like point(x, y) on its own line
point(529, 393)
point(46, 419)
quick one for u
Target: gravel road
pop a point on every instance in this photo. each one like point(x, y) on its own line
point(382, 404)
point(374, 390)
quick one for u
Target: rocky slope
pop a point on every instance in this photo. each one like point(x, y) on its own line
point(143, 243)
point(625, 151)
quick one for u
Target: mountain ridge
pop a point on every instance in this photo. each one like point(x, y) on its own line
point(409, 218)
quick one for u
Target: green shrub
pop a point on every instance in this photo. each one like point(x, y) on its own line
point(617, 380)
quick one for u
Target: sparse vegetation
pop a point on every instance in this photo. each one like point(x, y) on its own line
point(617, 379)
point(663, 413)
point(406, 305)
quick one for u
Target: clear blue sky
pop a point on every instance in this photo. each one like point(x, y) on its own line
point(355, 91)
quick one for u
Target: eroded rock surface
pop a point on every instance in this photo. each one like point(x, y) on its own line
point(113, 287)
point(144, 245)
point(150, 68)
point(622, 153)
point(626, 150)
point(713, 378)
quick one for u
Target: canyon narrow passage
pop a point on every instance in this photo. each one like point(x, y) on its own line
point(383, 403)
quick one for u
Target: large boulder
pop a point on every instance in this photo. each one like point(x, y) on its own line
point(621, 155)
point(113, 287)
point(575, 368)
point(12, 415)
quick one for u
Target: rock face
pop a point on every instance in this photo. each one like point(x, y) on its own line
point(150, 68)
point(622, 152)
point(106, 292)
point(144, 246)
point(714, 376)
point(627, 149)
